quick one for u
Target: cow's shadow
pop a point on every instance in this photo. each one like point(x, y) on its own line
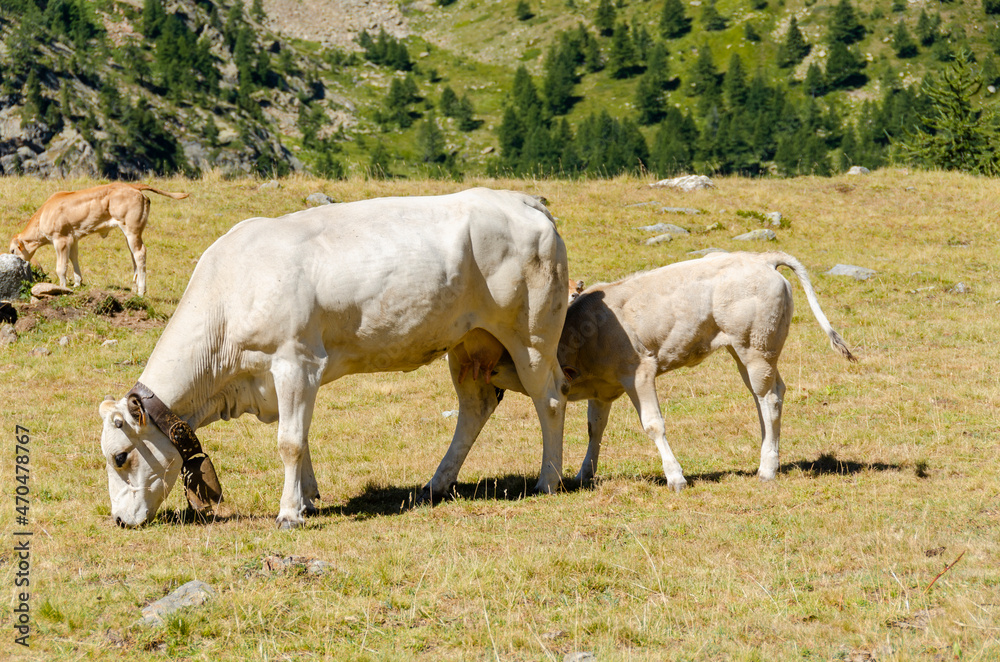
point(378, 500)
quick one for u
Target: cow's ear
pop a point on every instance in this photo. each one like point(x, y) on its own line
point(136, 409)
point(570, 373)
point(107, 407)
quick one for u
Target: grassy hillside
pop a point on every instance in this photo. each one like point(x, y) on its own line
point(885, 481)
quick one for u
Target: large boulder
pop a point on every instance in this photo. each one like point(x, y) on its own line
point(13, 273)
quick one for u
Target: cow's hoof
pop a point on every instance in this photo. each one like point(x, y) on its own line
point(311, 510)
point(287, 524)
point(767, 478)
point(677, 484)
point(584, 480)
point(429, 497)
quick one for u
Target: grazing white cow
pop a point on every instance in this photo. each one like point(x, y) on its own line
point(619, 337)
point(278, 307)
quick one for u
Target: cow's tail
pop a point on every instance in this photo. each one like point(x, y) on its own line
point(785, 260)
point(147, 187)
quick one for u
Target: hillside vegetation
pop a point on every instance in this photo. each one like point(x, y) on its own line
point(534, 87)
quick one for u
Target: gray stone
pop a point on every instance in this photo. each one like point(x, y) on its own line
point(664, 227)
point(40, 351)
point(64, 341)
point(282, 563)
point(763, 234)
point(857, 273)
point(318, 199)
point(8, 336)
point(680, 210)
point(13, 272)
point(659, 239)
point(706, 251)
point(46, 290)
point(450, 413)
point(960, 288)
point(269, 185)
point(859, 170)
point(775, 218)
point(192, 594)
point(109, 342)
point(685, 183)
point(713, 226)
point(581, 656)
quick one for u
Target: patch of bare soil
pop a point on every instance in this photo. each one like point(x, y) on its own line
point(121, 309)
point(334, 22)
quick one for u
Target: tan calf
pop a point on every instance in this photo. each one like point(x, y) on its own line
point(68, 216)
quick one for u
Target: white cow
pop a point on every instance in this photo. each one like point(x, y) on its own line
point(618, 338)
point(278, 307)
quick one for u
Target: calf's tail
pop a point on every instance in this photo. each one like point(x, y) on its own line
point(785, 260)
point(147, 187)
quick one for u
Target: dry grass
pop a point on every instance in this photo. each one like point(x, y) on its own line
point(884, 463)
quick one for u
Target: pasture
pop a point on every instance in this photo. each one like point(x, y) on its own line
point(888, 474)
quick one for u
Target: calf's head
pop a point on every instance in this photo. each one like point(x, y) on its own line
point(142, 463)
point(20, 249)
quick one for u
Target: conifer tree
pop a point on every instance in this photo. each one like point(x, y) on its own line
point(844, 26)
point(379, 162)
point(560, 77)
point(794, 48)
point(523, 11)
point(622, 59)
point(735, 83)
point(704, 77)
point(448, 102)
point(430, 140)
point(903, 43)
point(843, 67)
point(815, 81)
point(991, 6)
point(711, 19)
point(604, 18)
point(649, 99)
point(927, 28)
point(674, 22)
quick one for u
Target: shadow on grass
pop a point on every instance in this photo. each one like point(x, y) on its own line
point(826, 464)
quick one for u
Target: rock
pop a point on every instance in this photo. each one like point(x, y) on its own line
point(960, 288)
point(109, 342)
point(64, 341)
point(192, 594)
point(318, 199)
point(685, 183)
point(713, 226)
point(582, 656)
point(269, 186)
point(775, 218)
point(991, 89)
point(47, 290)
point(664, 227)
point(763, 234)
point(659, 239)
point(40, 351)
point(450, 413)
point(13, 272)
point(8, 336)
point(857, 273)
point(487, 150)
point(680, 210)
point(859, 170)
point(706, 251)
point(311, 566)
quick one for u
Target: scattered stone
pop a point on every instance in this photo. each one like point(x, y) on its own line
point(960, 288)
point(664, 227)
point(775, 218)
point(859, 170)
point(109, 342)
point(192, 594)
point(582, 656)
point(706, 251)
point(659, 239)
point(282, 563)
point(40, 351)
point(763, 234)
point(319, 199)
point(64, 341)
point(269, 185)
point(48, 290)
point(911, 188)
point(680, 210)
point(685, 183)
point(713, 226)
point(8, 336)
point(450, 413)
point(487, 150)
point(991, 89)
point(857, 273)
point(13, 272)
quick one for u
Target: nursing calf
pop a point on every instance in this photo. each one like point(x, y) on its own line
point(619, 337)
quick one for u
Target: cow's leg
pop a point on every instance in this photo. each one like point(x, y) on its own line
point(764, 382)
point(598, 413)
point(543, 381)
point(295, 385)
point(74, 257)
point(62, 248)
point(310, 488)
point(641, 390)
point(138, 252)
point(476, 402)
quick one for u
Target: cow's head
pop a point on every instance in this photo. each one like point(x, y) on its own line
point(142, 463)
point(146, 446)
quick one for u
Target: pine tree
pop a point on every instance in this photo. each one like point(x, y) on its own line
point(649, 99)
point(379, 162)
point(703, 79)
point(991, 6)
point(604, 18)
point(448, 102)
point(257, 11)
point(711, 19)
point(844, 26)
point(953, 134)
point(794, 48)
point(430, 140)
point(153, 15)
point(815, 82)
point(903, 43)
point(622, 59)
point(674, 22)
point(735, 83)
point(523, 11)
point(560, 78)
point(926, 28)
point(465, 115)
point(843, 67)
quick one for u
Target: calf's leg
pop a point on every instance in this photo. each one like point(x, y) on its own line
point(598, 413)
point(74, 257)
point(642, 391)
